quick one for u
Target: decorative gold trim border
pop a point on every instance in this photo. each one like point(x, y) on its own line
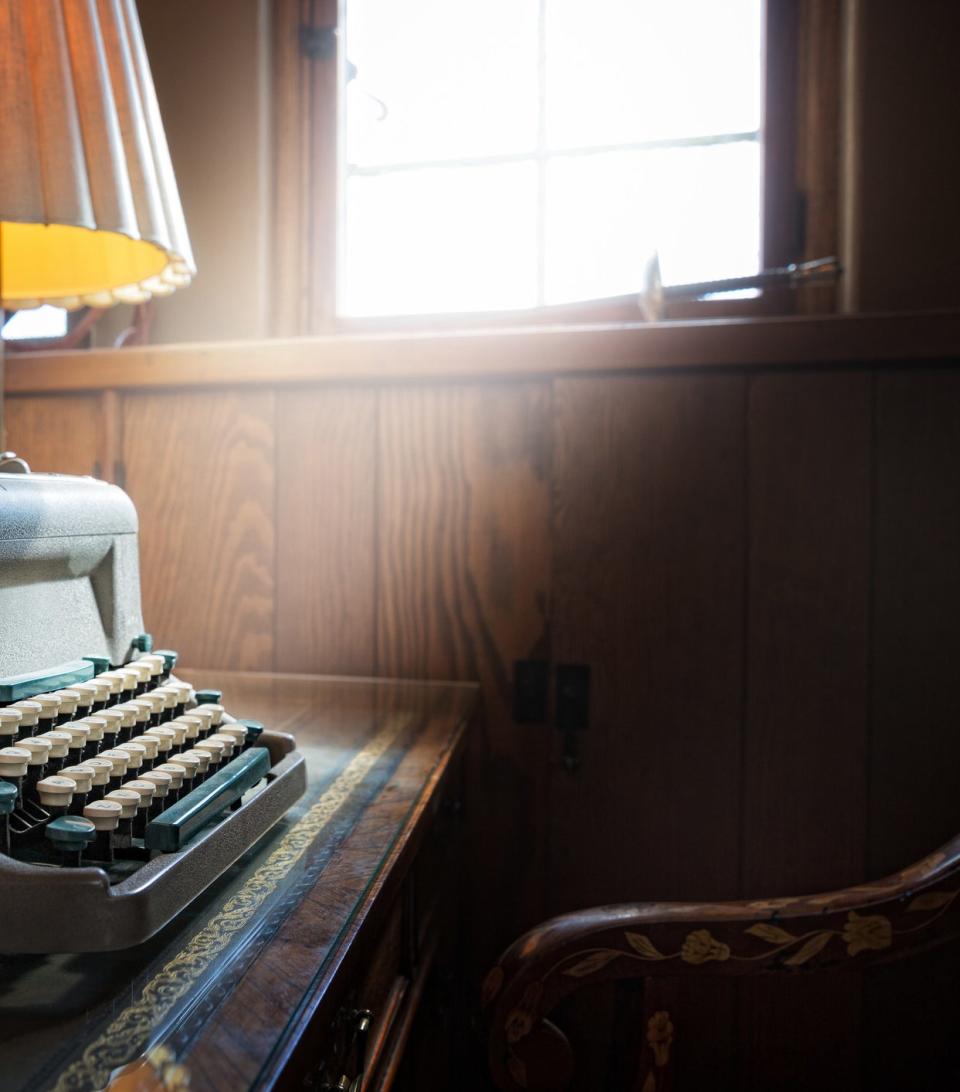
point(129, 1034)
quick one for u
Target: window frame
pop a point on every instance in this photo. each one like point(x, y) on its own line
point(800, 141)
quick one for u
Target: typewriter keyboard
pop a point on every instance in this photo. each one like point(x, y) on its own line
point(120, 768)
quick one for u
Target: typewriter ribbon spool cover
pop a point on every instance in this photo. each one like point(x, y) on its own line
point(70, 610)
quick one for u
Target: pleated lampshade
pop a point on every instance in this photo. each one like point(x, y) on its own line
point(89, 209)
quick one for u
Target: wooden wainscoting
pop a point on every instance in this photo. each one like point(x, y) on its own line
point(758, 563)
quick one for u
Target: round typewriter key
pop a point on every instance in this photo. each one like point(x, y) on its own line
point(119, 760)
point(128, 713)
point(131, 680)
point(79, 734)
point(71, 835)
point(97, 691)
point(49, 709)
point(150, 747)
point(229, 743)
point(202, 757)
point(169, 695)
point(95, 726)
point(9, 725)
point(86, 696)
point(190, 764)
point(194, 725)
point(165, 737)
point(144, 708)
point(154, 662)
point(59, 745)
point(69, 701)
point(8, 801)
point(13, 762)
point(82, 776)
point(127, 799)
point(205, 715)
point(184, 692)
point(136, 752)
point(176, 773)
point(216, 712)
point(102, 772)
point(179, 730)
point(55, 793)
point(146, 791)
point(213, 747)
point(128, 802)
point(105, 816)
point(29, 712)
point(113, 679)
point(163, 783)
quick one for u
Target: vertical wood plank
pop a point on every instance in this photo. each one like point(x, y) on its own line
point(59, 433)
point(326, 444)
point(915, 746)
point(200, 469)
point(649, 583)
point(463, 576)
point(649, 593)
point(805, 748)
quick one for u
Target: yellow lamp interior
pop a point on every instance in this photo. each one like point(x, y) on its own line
point(70, 266)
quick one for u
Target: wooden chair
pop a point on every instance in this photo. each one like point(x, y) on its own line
point(904, 914)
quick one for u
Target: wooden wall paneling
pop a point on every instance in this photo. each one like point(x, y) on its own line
point(914, 787)
point(805, 745)
point(200, 469)
point(463, 557)
point(326, 477)
point(60, 433)
point(649, 592)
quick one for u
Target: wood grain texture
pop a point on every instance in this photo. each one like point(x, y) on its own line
point(326, 447)
point(805, 753)
point(61, 433)
point(915, 748)
point(200, 469)
point(506, 353)
point(463, 586)
point(649, 592)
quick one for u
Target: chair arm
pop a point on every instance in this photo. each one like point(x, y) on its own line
point(844, 929)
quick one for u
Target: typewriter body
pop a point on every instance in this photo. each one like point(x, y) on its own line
point(124, 793)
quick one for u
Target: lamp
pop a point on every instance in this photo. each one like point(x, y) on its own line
point(89, 209)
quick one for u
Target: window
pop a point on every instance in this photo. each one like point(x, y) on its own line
point(34, 324)
point(520, 153)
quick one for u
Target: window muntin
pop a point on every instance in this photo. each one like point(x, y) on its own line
point(533, 152)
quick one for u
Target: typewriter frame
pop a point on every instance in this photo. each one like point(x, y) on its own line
point(105, 917)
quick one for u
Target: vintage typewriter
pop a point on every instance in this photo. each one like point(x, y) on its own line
point(124, 793)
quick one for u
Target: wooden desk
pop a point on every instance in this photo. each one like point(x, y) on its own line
point(349, 904)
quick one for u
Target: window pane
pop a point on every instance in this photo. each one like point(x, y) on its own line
point(458, 79)
point(36, 322)
point(700, 207)
point(622, 71)
point(441, 239)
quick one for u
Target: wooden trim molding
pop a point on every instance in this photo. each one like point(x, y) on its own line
point(799, 341)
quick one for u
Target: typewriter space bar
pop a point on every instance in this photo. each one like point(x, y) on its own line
point(175, 827)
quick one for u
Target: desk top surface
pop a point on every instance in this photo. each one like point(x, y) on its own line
point(226, 988)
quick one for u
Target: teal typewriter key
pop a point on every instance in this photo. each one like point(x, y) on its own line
point(13, 767)
point(71, 835)
point(209, 697)
point(254, 729)
point(8, 801)
point(143, 643)
point(192, 812)
point(169, 661)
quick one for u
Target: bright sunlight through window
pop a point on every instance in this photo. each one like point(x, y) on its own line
point(514, 153)
point(37, 322)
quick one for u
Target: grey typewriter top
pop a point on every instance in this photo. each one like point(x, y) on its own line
point(69, 578)
point(44, 506)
